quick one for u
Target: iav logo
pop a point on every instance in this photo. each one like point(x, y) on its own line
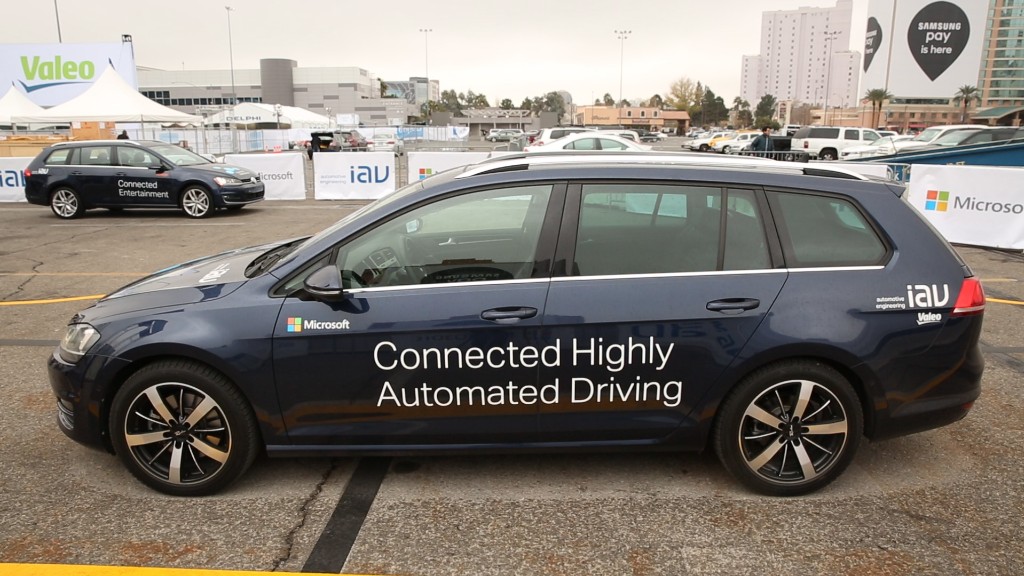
point(426, 172)
point(925, 296)
point(369, 174)
point(937, 201)
point(56, 72)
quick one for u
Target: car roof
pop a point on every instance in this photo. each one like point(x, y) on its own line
point(122, 141)
point(528, 160)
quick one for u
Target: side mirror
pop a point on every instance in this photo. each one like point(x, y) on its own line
point(325, 284)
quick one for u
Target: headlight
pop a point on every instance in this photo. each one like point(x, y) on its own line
point(226, 181)
point(77, 341)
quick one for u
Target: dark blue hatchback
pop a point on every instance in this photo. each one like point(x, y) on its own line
point(775, 313)
point(73, 177)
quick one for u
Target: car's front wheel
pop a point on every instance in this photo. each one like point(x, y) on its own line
point(66, 203)
point(790, 428)
point(183, 428)
point(828, 154)
point(197, 202)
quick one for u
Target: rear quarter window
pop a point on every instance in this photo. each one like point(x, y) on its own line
point(60, 156)
point(825, 231)
point(830, 133)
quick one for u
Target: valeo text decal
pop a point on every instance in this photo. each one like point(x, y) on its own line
point(56, 72)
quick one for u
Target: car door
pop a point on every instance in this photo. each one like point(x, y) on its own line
point(438, 340)
point(667, 284)
point(139, 180)
point(94, 176)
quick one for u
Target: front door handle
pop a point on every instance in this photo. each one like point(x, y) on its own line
point(733, 305)
point(509, 314)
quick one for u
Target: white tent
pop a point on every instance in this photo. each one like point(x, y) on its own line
point(109, 99)
point(257, 115)
point(14, 103)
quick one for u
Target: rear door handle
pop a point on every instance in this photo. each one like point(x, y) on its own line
point(733, 305)
point(508, 315)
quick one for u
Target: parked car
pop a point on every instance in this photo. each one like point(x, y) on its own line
point(351, 141)
point(929, 135)
point(827, 142)
point(504, 135)
point(592, 140)
point(799, 309)
point(703, 143)
point(386, 142)
point(983, 135)
point(631, 135)
point(881, 147)
point(735, 144)
point(548, 135)
point(648, 136)
point(72, 177)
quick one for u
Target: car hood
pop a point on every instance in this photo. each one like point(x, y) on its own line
point(197, 280)
point(224, 170)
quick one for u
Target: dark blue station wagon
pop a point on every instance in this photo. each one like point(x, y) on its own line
point(774, 313)
point(73, 177)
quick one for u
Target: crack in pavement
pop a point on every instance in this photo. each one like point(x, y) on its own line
point(304, 512)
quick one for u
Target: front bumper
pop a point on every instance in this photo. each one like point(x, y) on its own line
point(241, 195)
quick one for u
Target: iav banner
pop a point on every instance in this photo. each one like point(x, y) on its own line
point(282, 174)
point(353, 175)
point(51, 74)
point(12, 179)
point(976, 205)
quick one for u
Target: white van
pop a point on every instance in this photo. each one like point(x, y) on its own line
point(826, 142)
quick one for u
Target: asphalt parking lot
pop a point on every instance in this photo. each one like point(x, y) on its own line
point(948, 501)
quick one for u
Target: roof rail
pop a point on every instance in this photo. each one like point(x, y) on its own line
point(525, 160)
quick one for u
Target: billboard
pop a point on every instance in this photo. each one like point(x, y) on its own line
point(923, 48)
point(51, 74)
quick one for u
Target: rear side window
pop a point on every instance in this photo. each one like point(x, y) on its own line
point(95, 155)
point(831, 133)
point(820, 231)
point(59, 156)
point(659, 229)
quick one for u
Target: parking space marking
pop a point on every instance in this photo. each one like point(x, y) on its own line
point(146, 224)
point(81, 570)
point(51, 300)
point(1001, 301)
point(133, 274)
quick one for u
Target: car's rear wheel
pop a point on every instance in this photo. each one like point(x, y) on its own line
point(703, 147)
point(790, 428)
point(183, 428)
point(197, 202)
point(725, 149)
point(828, 154)
point(66, 203)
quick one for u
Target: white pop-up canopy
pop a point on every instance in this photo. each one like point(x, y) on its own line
point(256, 115)
point(109, 99)
point(14, 103)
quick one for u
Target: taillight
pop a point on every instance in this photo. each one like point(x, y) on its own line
point(806, 145)
point(971, 300)
point(27, 172)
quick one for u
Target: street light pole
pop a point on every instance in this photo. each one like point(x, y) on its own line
point(57, 13)
point(622, 35)
point(426, 65)
point(829, 36)
point(231, 59)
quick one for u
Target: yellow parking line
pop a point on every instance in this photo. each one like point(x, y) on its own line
point(135, 274)
point(51, 300)
point(1001, 301)
point(73, 570)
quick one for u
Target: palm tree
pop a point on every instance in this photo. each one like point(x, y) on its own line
point(966, 94)
point(877, 97)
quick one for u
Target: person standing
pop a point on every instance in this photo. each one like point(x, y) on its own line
point(123, 135)
point(762, 144)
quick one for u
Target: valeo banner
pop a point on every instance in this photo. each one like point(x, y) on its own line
point(51, 74)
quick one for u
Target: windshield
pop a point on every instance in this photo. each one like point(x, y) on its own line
point(953, 138)
point(178, 155)
point(928, 135)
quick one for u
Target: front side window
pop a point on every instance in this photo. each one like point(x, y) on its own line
point(136, 157)
point(819, 231)
point(582, 144)
point(607, 144)
point(481, 236)
point(657, 229)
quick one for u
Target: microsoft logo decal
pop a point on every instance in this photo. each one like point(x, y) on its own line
point(937, 201)
point(295, 324)
point(424, 172)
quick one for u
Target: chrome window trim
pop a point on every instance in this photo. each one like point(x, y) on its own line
point(448, 285)
point(671, 274)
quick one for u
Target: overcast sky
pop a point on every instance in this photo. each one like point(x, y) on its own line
point(501, 49)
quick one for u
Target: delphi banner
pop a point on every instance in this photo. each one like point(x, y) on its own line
point(922, 48)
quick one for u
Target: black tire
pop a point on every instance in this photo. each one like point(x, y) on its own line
point(828, 154)
point(760, 435)
point(66, 203)
point(155, 421)
point(196, 201)
point(725, 149)
point(703, 148)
